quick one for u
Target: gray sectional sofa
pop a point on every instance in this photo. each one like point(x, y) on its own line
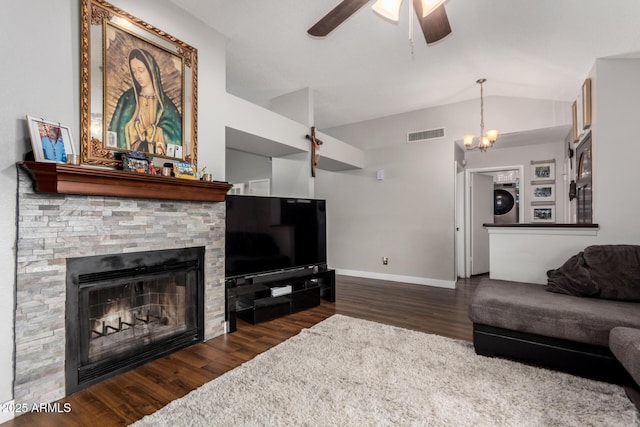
point(589, 324)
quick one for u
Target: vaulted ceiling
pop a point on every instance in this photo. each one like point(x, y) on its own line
point(368, 68)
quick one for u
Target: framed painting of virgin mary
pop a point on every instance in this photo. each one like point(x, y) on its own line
point(143, 95)
point(138, 88)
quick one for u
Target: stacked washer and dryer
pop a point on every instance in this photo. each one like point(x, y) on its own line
point(506, 197)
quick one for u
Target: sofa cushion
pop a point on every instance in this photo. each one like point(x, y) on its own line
point(527, 307)
point(625, 345)
point(600, 271)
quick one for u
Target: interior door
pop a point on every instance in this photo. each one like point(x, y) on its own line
point(481, 213)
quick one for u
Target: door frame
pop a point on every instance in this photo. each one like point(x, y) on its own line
point(467, 206)
point(459, 222)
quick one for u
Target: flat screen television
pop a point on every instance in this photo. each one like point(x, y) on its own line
point(267, 234)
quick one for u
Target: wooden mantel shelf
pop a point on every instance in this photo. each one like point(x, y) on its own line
point(62, 178)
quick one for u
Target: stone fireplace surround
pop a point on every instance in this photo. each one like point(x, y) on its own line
point(54, 227)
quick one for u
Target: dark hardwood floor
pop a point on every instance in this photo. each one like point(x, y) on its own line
point(128, 397)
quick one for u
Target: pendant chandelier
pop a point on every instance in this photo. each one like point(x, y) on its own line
point(484, 141)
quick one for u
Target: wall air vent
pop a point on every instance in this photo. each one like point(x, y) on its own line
point(424, 135)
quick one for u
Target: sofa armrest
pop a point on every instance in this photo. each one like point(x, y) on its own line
point(625, 346)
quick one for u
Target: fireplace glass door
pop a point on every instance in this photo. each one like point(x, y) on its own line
point(128, 309)
point(125, 316)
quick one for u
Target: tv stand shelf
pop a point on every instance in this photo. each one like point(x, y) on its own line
point(255, 299)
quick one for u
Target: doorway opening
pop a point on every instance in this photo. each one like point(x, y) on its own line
point(479, 208)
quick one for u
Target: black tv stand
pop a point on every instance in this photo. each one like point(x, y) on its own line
point(259, 298)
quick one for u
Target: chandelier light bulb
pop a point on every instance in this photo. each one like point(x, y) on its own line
point(468, 140)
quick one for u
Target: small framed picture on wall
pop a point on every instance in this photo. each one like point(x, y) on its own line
point(543, 192)
point(543, 213)
point(543, 171)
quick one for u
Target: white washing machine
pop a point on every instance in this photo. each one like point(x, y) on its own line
point(505, 203)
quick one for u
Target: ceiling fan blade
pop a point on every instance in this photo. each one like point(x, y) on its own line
point(336, 17)
point(435, 26)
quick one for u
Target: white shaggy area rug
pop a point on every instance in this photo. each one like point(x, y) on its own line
point(352, 372)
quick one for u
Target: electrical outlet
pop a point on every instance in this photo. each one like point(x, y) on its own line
point(385, 260)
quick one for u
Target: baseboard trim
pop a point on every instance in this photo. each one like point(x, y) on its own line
point(7, 413)
point(449, 284)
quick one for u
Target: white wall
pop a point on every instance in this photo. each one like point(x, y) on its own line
point(504, 113)
point(297, 106)
point(242, 167)
point(267, 125)
point(616, 149)
point(407, 217)
point(525, 254)
point(291, 176)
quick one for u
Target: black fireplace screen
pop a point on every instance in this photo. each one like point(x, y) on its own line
point(124, 310)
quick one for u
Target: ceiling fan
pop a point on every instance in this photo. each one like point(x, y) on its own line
point(431, 14)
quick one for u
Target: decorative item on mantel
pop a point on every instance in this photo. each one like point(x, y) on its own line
point(184, 170)
point(51, 141)
point(205, 176)
point(137, 161)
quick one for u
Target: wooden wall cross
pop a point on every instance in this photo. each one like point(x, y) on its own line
point(315, 150)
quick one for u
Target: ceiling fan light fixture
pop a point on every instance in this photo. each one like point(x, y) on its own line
point(429, 6)
point(389, 9)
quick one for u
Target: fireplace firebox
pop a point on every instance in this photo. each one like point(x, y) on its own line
point(124, 310)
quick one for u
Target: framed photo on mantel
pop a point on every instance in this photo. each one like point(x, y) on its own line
point(51, 142)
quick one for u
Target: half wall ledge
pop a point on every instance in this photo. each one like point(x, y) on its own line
point(86, 180)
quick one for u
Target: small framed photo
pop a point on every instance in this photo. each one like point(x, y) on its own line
point(136, 161)
point(184, 170)
point(543, 213)
point(543, 171)
point(543, 192)
point(51, 142)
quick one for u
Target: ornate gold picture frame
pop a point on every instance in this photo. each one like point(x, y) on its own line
point(138, 88)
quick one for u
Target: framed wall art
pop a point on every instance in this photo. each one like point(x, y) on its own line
point(543, 213)
point(574, 115)
point(541, 171)
point(543, 192)
point(580, 114)
point(138, 88)
point(51, 142)
point(586, 104)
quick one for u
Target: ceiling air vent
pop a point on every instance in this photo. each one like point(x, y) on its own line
point(424, 135)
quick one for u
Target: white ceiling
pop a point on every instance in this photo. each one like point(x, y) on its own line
point(366, 69)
